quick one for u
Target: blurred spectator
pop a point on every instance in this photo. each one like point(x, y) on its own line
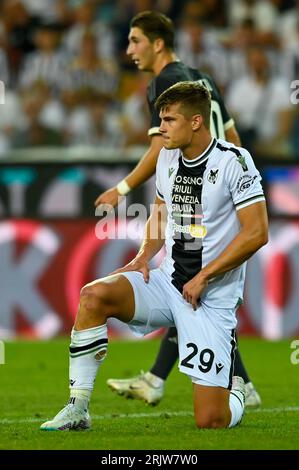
point(89, 71)
point(215, 13)
point(193, 9)
point(48, 63)
point(202, 51)
point(245, 36)
point(290, 67)
point(264, 15)
point(85, 20)
point(290, 57)
point(16, 29)
point(95, 123)
point(260, 102)
point(38, 127)
point(283, 5)
point(11, 121)
point(135, 117)
point(211, 13)
point(44, 9)
point(288, 28)
point(262, 12)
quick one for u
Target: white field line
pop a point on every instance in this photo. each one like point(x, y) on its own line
point(161, 414)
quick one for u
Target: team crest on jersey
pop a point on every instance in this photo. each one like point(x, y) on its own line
point(170, 171)
point(242, 162)
point(213, 175)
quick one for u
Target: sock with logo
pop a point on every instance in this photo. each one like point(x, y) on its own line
point(167, 355)
point(236, 405)
point(88, 349)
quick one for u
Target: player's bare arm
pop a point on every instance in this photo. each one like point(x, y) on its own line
point(252, 236)
point(141, 173)
point(152, 243)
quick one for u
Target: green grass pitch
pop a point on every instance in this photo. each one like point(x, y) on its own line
point(34, 386)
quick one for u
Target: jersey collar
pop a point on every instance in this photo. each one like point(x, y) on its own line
point(201, 158)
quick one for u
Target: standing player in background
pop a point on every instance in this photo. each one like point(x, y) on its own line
point(151, 47)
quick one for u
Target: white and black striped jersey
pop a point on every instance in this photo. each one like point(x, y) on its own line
point(178, 72)
point(49, 68)
point(202, 197)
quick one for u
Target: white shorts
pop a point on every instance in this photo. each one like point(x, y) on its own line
point(206, 337)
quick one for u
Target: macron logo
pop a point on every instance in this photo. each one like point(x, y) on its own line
point(219, 367)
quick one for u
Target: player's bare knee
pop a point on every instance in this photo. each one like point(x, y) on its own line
point(211, 420)
point(88, 297)
point(93, 299)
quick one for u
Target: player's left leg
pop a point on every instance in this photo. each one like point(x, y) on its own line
point(206, 348)
point(218, 407)
point(149, 386)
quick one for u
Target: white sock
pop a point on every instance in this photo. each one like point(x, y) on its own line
point(88, 349)
point(236, 405)
point(80, 398)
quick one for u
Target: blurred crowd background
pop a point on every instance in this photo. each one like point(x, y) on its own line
point(68, 80)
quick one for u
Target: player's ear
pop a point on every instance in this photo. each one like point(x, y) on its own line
point(158, 45)
point(196, 122)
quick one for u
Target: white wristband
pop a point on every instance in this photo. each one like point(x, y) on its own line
point(123, 188)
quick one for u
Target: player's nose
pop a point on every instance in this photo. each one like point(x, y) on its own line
point(129, 50)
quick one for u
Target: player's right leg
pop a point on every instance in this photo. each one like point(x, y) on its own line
point(149, 386)
point(124, 296)
point(111, 296)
